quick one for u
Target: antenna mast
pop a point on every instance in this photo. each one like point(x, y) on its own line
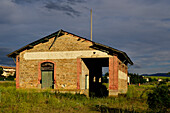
point(91, 22)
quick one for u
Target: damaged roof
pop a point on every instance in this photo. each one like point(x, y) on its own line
point(121, 55)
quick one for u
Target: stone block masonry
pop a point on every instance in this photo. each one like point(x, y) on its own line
point(76, 65)
point(65, 75)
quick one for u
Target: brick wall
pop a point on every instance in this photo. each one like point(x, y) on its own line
point(63, 43)
point(66, 69)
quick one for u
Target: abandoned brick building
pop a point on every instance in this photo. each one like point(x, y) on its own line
point(66, 62)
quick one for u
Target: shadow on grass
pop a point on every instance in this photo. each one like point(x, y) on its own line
point(98, 90)
point(104, 109)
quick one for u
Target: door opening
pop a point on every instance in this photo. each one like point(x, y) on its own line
point(47, 75)
point(95, 82)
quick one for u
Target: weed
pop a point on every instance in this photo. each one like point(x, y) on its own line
point(159, 99)
point(29, 100)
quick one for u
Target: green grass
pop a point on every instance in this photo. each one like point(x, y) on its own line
point(168, 83)
point(157, 77)
point(148, 86)
point(14, 100)
point(7, 83)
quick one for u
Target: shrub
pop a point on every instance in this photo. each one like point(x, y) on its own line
point(135, 78)
point(159, 99)
point(10, 78)
point(1, 71)
point(133, 92)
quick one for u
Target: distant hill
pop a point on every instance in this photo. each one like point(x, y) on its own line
point(157, 74)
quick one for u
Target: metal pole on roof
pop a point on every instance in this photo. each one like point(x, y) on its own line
point(91, 22)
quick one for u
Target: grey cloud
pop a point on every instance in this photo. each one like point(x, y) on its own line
point(165, 63)
point(59, 5)
point(140, 28)
point(148, 2)
point(62, 7)
point(149, 70)
point(137, 66)
point(25, 1)
point(4, 60)
point(165, 19)
point(73, 2)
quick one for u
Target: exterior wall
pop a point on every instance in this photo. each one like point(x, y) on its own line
point(66, 73)
point(113, 76)
point(117, 77)
point(17, 71)
point(66, 69)
point(70, 70)
point(63, 43)
point(85, 72)
point(123, 78)
point(84, 79)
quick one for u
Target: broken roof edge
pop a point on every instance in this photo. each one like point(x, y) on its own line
point(16, 52)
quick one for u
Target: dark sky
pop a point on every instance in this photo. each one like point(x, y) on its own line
point(141, 28)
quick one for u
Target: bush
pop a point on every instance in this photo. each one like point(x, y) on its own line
point(159, 99)
point(2, 78)
point(1, 71)
point(136, 79)
point(10, 78)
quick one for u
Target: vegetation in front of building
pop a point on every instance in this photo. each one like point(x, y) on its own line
point(152, 97)
point(32, 100)
point(159, 99)
point(9, 78)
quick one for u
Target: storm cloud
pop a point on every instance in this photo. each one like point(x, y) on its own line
point(4, 60)
point(62, 7)
point(66, 6)
point(141, 28)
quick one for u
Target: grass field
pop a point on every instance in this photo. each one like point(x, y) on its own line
point(14, 100)
point(158, 77)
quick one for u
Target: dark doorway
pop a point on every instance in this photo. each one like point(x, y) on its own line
point(94, 65)
point(47, 75)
